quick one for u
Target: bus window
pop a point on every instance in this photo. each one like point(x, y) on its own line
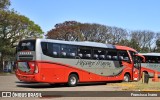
point(152, 59)
point(99, 54)
point(64, 51)
point(26, 45)
point(53, 50)
point(158, 59)
point(56, 50)
point(123, 56)
point(84, 52)
point(68, 51)
point(44, 47)
point(72, 51)
point(132, 54)
point(111, 55)
point(148, 59)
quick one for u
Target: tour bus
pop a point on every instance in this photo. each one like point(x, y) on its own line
point(71, 62)
point(151, 64)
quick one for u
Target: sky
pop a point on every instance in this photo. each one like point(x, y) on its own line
point(127, 14)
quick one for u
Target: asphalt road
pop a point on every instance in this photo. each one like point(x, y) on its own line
point(11, 83)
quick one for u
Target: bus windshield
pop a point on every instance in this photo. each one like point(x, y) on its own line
point(26, 45)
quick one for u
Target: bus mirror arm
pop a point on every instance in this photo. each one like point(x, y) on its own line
point(140, 56)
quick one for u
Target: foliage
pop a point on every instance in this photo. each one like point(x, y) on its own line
point(76, 31)
point(66, 31)
point(13, 28)
point(158, 45)
point(4, 4)
point(141, 40)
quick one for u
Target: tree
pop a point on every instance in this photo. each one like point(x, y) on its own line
point(117, 35)
point(157, 48)
point(4, 4)
point(140, 40)
point(13, 28)
point(69, 31)
point(145, 39)
point(76, 31)
point(93, 32)
point(125, 42)
point(134, 44)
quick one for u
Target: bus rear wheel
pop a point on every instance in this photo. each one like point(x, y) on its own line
point(126, 78)
point(72, 80)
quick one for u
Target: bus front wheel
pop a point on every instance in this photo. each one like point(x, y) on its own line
point(126, 78)
point(72, 80)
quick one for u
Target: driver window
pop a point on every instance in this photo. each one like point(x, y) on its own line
point(132, 55)
point(123, 56)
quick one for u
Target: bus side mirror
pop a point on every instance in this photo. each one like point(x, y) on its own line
point(142, 58)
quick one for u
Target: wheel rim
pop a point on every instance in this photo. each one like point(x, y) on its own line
point(126, 78)
point(73, 80)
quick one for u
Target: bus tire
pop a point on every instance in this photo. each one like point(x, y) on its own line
point(72, 80)
point(126, 78)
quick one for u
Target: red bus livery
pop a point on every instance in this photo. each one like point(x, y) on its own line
point(56, 61)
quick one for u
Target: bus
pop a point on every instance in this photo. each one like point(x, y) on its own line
point(151, 64)
point(56, 61)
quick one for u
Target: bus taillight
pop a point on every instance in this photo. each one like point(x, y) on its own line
point(33, 67)
point(36, 69)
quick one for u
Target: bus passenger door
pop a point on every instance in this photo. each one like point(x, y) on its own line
point(136, 68)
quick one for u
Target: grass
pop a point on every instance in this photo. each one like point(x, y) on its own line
point(138, 86)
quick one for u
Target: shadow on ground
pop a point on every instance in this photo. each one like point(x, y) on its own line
point(46, 85)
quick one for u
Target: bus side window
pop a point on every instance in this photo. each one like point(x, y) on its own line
point(123, 56)
point(84, 53)
point(120, 57)
point(64, 51)
point(54, 49)
point(158, 59)
point(112, 55)
point(44, 47)
point(50, 50)
point(95, 54)
point(68, 51)
point(108, 57)
point(152, 59)
point(115, 58)
point(99, 54)
point(72, 51)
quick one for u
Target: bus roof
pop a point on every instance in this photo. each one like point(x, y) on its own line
point(88, 43)
point(125, 48)
point(81, 43)
point(150, 54)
